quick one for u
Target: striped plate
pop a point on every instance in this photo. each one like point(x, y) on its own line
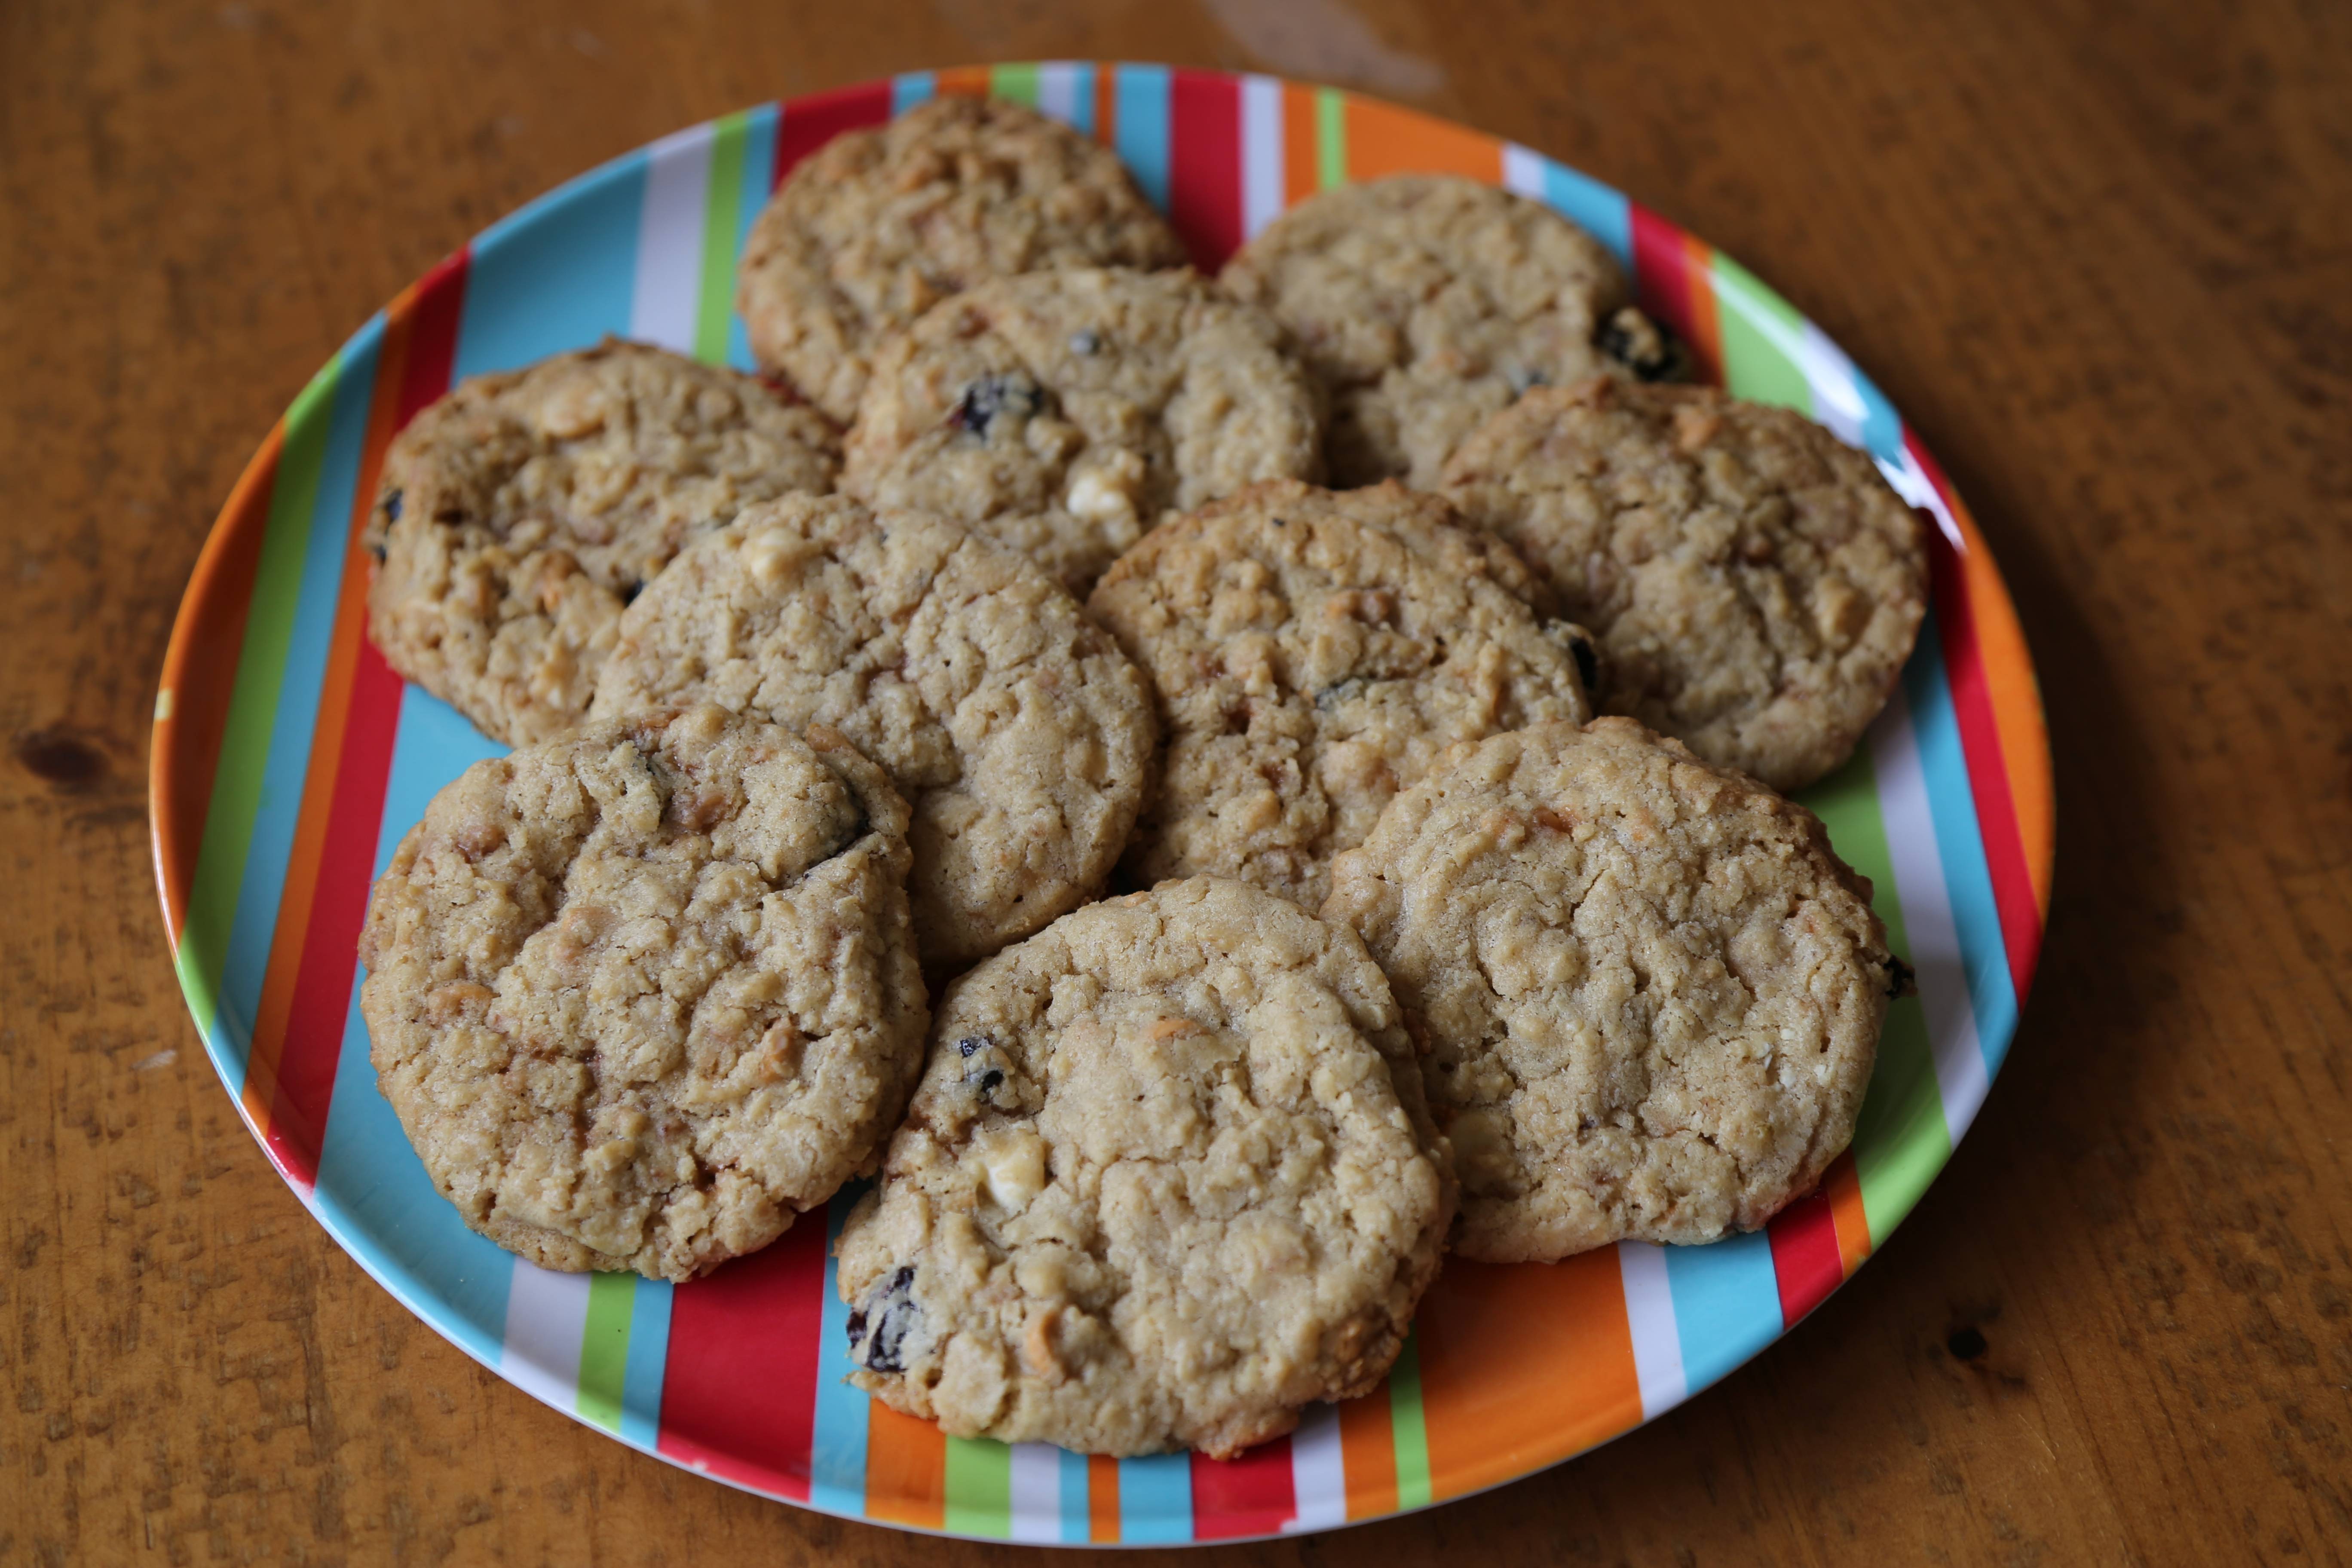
point(289, 761)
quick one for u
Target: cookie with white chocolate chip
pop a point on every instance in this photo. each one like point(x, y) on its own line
point(1168, 1178)
point(1066, 413)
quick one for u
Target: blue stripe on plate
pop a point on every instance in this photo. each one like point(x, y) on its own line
point(1143, 117)
point(559, 274)
point(837, 1446)
point(373, 1190)
point(1593, 207)
point(1155, 1495)
point(1726, 1304)
point(641, 1377)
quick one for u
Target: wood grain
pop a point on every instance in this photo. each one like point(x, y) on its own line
point(2098, 255)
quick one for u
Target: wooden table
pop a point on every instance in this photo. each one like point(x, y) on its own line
point(2100, 260)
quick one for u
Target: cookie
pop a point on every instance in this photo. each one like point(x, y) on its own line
point(1021, 736)
point(517, 515)
point(1313, 653)
point(1168, 1178)
point(642, 994)
point(1424, 304)
point(878, 225)
point(1064, 413)
point(1754, 583)
point(1649, 991)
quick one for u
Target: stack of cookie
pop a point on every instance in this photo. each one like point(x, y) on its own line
point(824, 771)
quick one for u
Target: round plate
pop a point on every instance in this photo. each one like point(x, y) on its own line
point(288, 759)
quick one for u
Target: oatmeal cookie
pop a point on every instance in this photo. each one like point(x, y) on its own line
point(1022, 737)
point(878, 225)
point(1422, 303)
point(1313, 652)
point(517, 515)
point(1754, 583)
point(642, 994)
point(1649, 991)
point(1064, 413)
point(1168, 1178)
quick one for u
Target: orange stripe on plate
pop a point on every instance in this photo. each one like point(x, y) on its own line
point(327, 737)
point(905, 1469)
point(1844, 1190)
point(961, 82)
point(2016, 703)
point(1102, 1499)
point(1521, 1365)
point(1107, 103)
point(1385, 140)
point(1706, 321)
point(1368, 1454)
point(1302, 165)
point(184, 753)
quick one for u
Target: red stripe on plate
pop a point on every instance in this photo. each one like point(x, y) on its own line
point(806, 124)
point(1805, 1261)
point(1204, 179)
point(1670, 281)
point(1997, 824)
point(321, 1004)
point(1251, 1495)
point(739, 1388)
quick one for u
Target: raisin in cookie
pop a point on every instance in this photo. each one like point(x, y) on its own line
point(520, 513)
point(1064, 413)
point(878, 225)
point(1168, 1178)
point(642, 995)
point(1021, 736)
point(1424, 304)
point(1649, 990)
point(1754, 583)
point(1313, 653)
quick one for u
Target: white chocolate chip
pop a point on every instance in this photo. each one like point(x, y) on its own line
point(1015, 1163)
point(1105, 491)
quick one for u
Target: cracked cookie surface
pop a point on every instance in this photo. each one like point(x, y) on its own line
point(642, 995)
point(1754, 583)
point(1313, 652)
point(1424, 304)
point(1021, 736)
point(1649, 991)
point(518, 516)
point(1066, 413)
point(1169, 1177)
point(878, 225)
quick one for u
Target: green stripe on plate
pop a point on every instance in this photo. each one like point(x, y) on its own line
point(1331, 137)
point(1410, 1429)
point(253, 696)
point(721, 223)
point(1017, 82)
point(979, 1487)
point(1760, 333)
point(1900, 1140)
point(605, 1348)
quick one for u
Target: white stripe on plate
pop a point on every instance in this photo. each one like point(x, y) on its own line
point(1837, 397)
point(1523, 171)
point(1036, 1493)
point(670, 240)
point(1057, 92)
point(1927, 921)
point(547, 1317)
point(1261, 152)
point(1319, 1473)
point(1657, 1338)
